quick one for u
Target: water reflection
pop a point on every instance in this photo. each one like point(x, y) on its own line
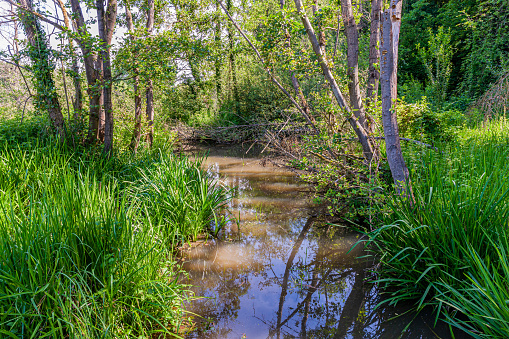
point(280, 273)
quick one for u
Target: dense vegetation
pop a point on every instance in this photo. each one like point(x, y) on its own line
point(87, 243)
point(88, 179)
point(448, 248)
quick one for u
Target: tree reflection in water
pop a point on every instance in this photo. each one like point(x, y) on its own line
point(287, 275)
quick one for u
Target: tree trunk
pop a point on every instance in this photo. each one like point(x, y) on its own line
point(149, 90)
point(391, 21)
point(135, 139)
point(352, 305)
point(106, 24)
point(231, 56)
point(93, 71)
point(352, 37)
point(322, 59)
point(374, 51)
point(39, 53)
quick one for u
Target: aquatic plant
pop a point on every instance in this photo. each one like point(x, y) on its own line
point(448, 248)
point(83, 254)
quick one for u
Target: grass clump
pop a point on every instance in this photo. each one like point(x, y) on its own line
point(449, 248)
point(181, 197)
point(86, 250)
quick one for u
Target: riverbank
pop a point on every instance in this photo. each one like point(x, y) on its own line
point(448, 249)
point(87, 243)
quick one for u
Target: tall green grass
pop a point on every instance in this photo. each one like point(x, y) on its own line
point(449, 248)
point(86, 241)
point(181, 198)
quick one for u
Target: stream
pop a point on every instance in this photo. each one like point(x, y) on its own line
point(278, 272)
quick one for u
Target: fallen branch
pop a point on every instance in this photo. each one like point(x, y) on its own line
point(404, 139)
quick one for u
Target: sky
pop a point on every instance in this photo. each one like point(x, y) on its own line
point(7, 28)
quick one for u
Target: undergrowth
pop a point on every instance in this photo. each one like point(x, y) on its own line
point(449, 248)
point(86, 242)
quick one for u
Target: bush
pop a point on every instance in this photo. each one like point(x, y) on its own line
point(419, 121)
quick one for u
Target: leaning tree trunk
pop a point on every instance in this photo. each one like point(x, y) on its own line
point(135, 139)
point(389, 36)
point(106, 24)
point(150, 89)
point(322, 59)
point(39, 53)
point(352, 37)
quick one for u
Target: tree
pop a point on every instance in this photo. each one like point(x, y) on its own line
point(135, 139)
point(150, 90)
point(106, 24)
point(42, 66)
point(389, 37)
point(352, 117)
point(93, 70)
point(78, 100)
point(352, 40)
point(374, 51)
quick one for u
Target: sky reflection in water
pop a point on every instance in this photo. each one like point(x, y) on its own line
point(283, 274)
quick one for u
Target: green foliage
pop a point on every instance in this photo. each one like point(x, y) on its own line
point(86, 241)
point(488, 43)
point(446, 247)
point(20, 133)
point(342, 182)
point(180, 198)
point(42, 64)
point(477, 47)
point(436, 58)
point(420, 121)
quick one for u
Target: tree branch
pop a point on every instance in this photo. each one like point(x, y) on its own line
point(40, 16)
point(267, 69)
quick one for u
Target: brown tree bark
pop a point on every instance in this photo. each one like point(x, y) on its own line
point(150, 89)
point(322, 59)
point(374, 51)
point(135, 139)
point(389, 38)
point(352, 37)
point(106, 24)
point(93, 71)
point(44, 77)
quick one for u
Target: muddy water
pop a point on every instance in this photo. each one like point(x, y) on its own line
point(278, 272)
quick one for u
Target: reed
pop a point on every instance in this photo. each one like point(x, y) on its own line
point(449, 249)
point(85, 248)
point(180, 198)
